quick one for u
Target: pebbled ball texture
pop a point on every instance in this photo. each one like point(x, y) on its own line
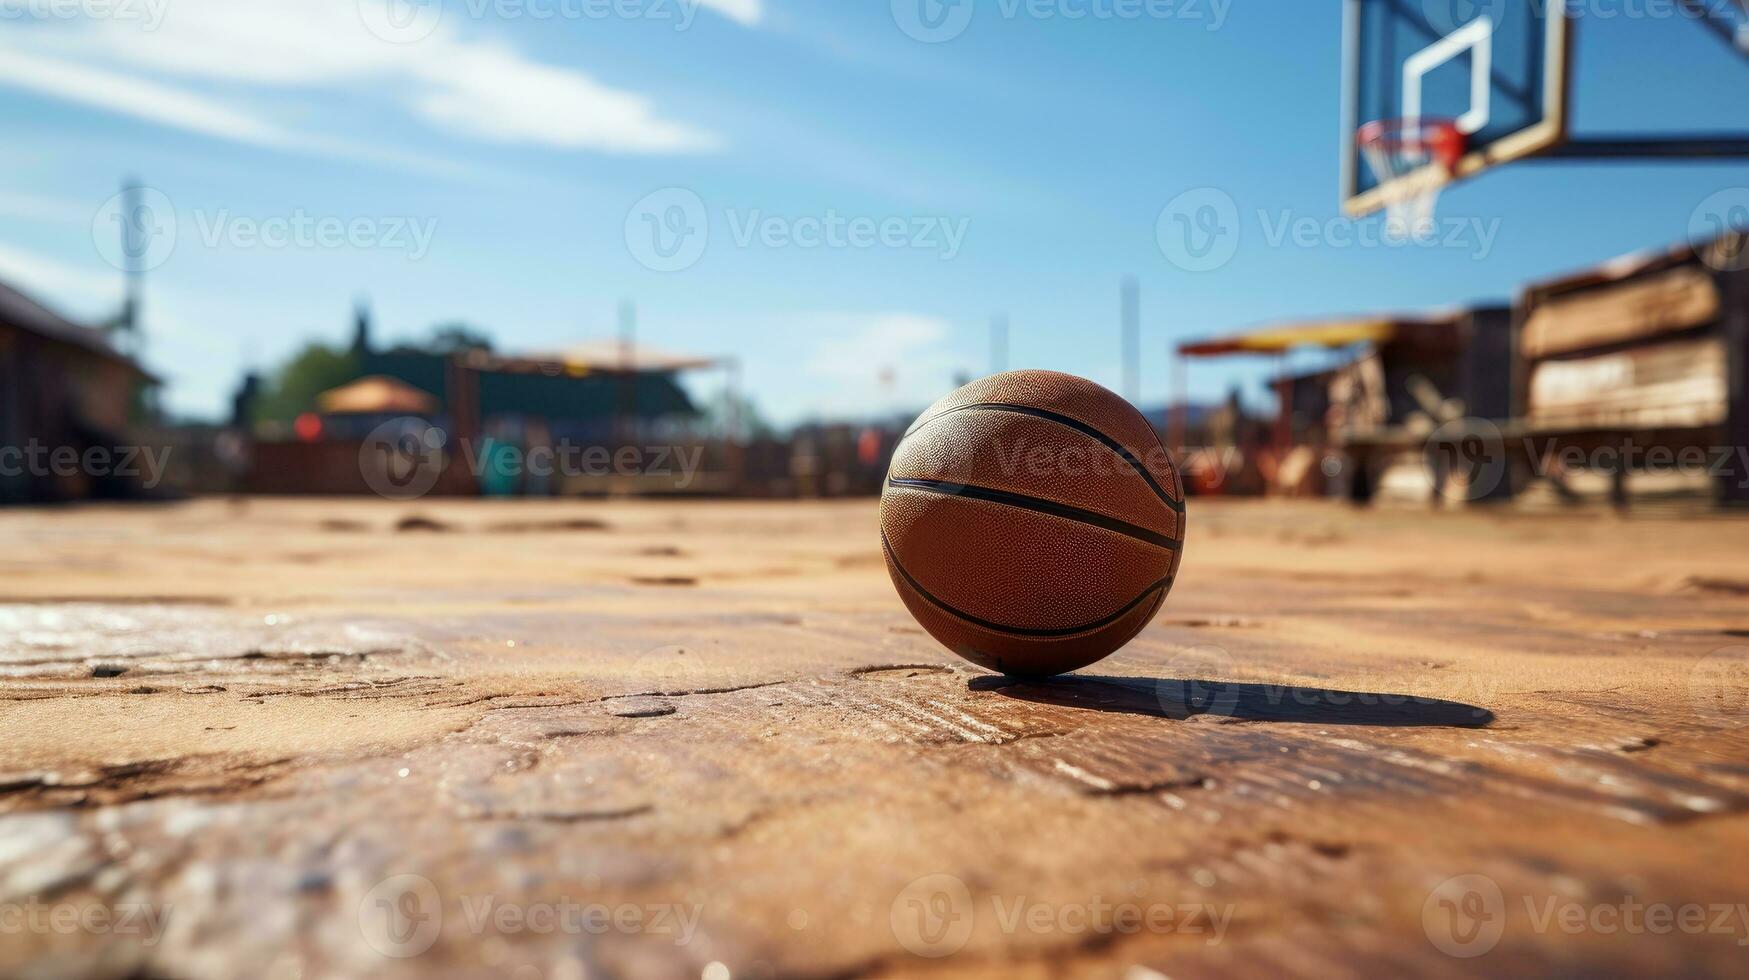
point(1032, 522)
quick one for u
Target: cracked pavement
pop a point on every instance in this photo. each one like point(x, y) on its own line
point(347, 738)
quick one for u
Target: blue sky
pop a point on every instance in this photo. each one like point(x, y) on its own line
point(501, 164)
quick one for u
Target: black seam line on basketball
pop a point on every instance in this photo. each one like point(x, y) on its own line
point(1077, 425)
point(1039, 505)
point(1019, 630)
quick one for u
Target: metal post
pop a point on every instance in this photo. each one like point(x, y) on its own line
point(1732, 488)
point(1132, 339)
point(999, 343)
point(625, 405)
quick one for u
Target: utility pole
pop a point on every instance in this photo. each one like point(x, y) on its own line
point(999, 343)
point(1132, 339)
point(137, 225)
point(627, 408)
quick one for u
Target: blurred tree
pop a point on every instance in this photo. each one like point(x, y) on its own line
point(724, 408)
point(294, 387)
point(453, 338)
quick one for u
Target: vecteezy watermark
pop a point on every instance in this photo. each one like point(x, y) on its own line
point(135, 229)
point(403, 459)
point(149, 14)
point(303, 230)
point(404, 916)
point(1719, 228)
point(1470, 458)
point(1185, 687)
point(1022, 456)
point(668, 230)
point(934, 916)
point(144, 920)
point(401, 21)
point(1473, 235)
point(410, 21)
point(1466, 916)
point(1466, 459)
point(1197, 680)
point(936, 21)
point(140, 230)
point(679, 13)
point(1200, 231)
point(1718, 686)
point(1445, 16)
point(144, 464)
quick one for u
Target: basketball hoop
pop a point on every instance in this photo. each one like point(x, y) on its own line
point(1398, 148)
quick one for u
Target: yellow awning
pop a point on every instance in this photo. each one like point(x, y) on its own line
point(1284, 337)
point(376, 395)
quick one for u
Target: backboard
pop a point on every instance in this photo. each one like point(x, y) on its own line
point(1497, 68)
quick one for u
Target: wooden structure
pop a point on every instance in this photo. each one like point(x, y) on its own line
point(1406, 381)
point(377, 396)
point(1645, 352)
point(614, 397)
point(63, 386)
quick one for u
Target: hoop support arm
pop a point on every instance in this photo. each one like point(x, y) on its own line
point(1696, 146)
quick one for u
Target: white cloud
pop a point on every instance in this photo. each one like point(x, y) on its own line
point(747, 13)
point(472, 88)
point(493, 93)
point(133, 96)
point(37, 207)
point(882, 362)
point(66, 287)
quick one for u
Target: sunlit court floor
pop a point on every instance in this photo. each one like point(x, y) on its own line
point(578, 739)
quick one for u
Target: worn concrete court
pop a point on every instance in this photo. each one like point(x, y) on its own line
point(334, 738)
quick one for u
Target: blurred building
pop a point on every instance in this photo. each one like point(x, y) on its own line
point(1371, 425)
point(63, 388)
point(496, 409)
point(591, 391)
point(1633, 377)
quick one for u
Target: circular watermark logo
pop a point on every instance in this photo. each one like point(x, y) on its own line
point(403, 458)
point(1464, 916)
point(933, 21)
point(1446, 16)
point(1719, 229)
point(1198, 231)
point(402, 916)
point(401, 21)
point(933, 916)
point(1187, 686)
point(1466, 459)
point(667, 230)
point(135, 229)
point(1718, 686)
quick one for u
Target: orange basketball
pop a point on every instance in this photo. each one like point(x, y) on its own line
point(1032, 522)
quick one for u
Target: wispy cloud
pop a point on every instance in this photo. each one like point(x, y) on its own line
point(877, 362)
point(748, 13)
point(81, 289)
point(465, 87)
point(37, 207)
point(491, 92)
point(133, 96)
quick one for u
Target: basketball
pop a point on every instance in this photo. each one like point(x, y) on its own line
point(1032, 522)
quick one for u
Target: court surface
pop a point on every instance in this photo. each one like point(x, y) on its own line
point(706, 740)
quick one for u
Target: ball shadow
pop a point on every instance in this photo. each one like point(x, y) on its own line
point(1180, 699)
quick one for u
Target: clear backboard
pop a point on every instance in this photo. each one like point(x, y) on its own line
point(1491, 73)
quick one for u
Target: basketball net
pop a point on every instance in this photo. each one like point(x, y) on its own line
point(1398, 148)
